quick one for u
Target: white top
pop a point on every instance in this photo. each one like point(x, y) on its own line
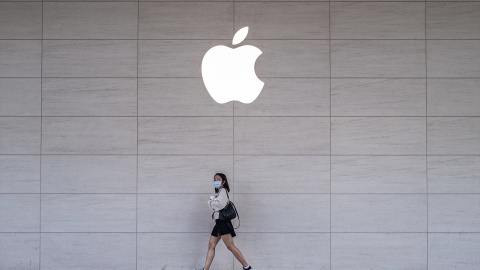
point(218, 202)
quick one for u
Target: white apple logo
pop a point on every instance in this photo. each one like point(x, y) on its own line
point(229, 74)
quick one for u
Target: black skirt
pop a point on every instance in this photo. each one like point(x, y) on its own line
point(223, 227)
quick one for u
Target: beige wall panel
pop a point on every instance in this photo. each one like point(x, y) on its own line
point(173, 58)
point(77, 20)
point(453, 97)
point(20, 251)
point(289, 97)
point(195, 173)
point(89, 135)
point(287, 214)
point(454, 174)
point(88, 251)
point(170, 251)
point(282, 135)
point(89, 58)
point(379, 213)
point(378, 97)
point(193, 20)
point(20, 135)
point(453, 135)
point(178, 97)
point(373, 20)
point(378, 58)
point(378, 135)
point(20, 58)
point(175, 213)
point(19, 212)
point(185, 135)
point(89, 174)
point(454, 250)
point(453, 20)
point(20, 97)
point(282, 174)
point(379, 174)
point(453, 58)
point(454, 212)
point(20, 20)
point(89, 97)
point(292, 58)
point(263, 19)
point(278, 250)
point(88, 212)
point(379, 251)
point(19, 173)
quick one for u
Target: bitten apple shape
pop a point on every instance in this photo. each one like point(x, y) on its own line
point(229, 74)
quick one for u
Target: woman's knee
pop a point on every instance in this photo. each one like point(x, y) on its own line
point(212, 245)
point(231, 247)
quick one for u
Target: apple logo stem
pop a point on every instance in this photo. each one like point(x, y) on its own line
point(229, 74)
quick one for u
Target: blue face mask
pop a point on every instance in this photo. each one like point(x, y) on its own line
point(217, 184)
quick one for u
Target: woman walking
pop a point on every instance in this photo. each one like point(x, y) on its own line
point(222, 229)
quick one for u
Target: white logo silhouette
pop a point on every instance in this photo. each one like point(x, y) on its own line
point(229, 74)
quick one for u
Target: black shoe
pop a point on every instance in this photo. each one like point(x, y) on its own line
point(249, 268)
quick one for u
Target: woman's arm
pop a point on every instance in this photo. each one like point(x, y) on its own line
point(211, 198)
point(220, 201)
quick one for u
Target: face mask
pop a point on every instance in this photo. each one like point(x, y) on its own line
point(217, 184)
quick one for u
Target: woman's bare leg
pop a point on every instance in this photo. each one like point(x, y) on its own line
point(228, 240)
point(211, 251)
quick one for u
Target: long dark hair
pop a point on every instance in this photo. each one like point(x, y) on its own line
point(224, 180)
